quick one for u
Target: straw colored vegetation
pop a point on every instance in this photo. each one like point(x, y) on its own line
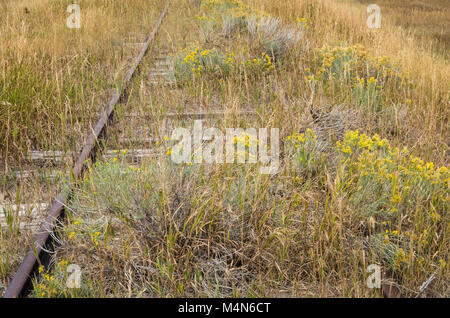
point(427, 21)
point(53, 82)
point(363, 178)
point(51, 76)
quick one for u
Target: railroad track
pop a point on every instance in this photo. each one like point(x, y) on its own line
point(123, 125)
point(44, 242)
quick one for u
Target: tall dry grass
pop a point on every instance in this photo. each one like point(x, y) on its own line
point(426, 122)
point(53, 82)
point(54, 79)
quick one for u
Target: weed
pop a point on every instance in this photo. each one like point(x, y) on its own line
point(190, 64)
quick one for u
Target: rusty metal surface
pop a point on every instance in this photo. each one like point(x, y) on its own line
point(44, 242)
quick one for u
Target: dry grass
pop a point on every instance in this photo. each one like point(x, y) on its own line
point(425, 126)
point(427, 21)
point(340, 201)
point(53, 82)
point(51, 76)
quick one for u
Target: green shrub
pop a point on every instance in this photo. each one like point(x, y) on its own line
point(259, 65)
point(273, 36)
point(197, 63)
point(307, 152)
point(366, 78)
point(385, 182)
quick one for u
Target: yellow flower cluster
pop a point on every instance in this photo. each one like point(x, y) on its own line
point(203, 18)
point(262, 64)
point(400, 180)
point(307, 152)
point(194, 61)
point(78, 221)
point(200, 62)
point(230, 57)
point(304, 23)
point(298, 139)
point(354, 140)
point(94, 237)
point(62, 263)
point(355, 64)
point(245, 139)
point(400, 258)
point(49, 284)
point(236, 11)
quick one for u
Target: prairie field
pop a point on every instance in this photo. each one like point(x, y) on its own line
point(427, 21)
point(361, 149)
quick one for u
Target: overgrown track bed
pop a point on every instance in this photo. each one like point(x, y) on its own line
point(348, 193)
point(46, 240)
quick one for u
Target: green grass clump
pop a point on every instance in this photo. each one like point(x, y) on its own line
point(234, 17)
point(203, 64)
point(116, 196)
point(186, 230)
point(273, 36)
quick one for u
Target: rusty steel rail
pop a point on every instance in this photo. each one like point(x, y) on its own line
point(44, 243)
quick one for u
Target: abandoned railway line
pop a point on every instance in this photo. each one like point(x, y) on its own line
point(114, 183)
point(52, 174)
point(44, 241)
